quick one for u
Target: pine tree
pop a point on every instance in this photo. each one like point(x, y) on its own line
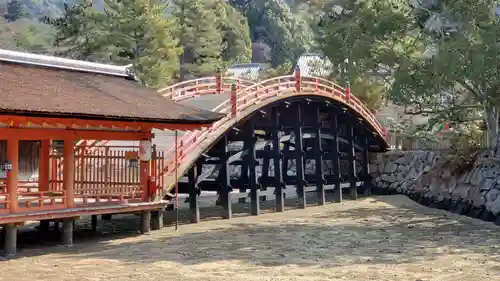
point(272, 22)
point(198, 36)
point(77, 35)
point(128, 32)
point(236, 41)
point(139, 33)
point(15, 10)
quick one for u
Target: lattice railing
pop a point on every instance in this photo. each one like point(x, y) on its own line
point(106, 174)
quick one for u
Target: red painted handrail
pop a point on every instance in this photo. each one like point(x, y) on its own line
point(177, 92)
point(202, 86)
point(259, 93)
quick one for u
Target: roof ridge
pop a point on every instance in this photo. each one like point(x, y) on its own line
point(67, 64)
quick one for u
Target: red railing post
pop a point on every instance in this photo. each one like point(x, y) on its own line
point(233, 101)
point(218, 81)
point(348, 94)
point(144, 168)
point(297, 79)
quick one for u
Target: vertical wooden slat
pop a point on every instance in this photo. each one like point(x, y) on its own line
point(112, 171)
point(83, 164)
point(92, 171)
point(126, 171)
point(116, 171)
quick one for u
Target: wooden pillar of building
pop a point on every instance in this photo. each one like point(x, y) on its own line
point(13, 174)
point(337, 195)
point(145, 224)
point(10, 239)
point(278, 176)
point(157, 219)
point(351, 159)
point(69, 172)
point(318, 156)
point(225, 191)
point(44, 165)
point(194, 206)
point(299, 158)
point(67, 230)
point(144, 174)
point(251, 161)
point(94, 223)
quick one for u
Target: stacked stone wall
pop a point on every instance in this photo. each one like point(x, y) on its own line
point(468, 185)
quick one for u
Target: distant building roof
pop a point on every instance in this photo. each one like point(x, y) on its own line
point(56, 87)
point(248, 71)
point(314, 65)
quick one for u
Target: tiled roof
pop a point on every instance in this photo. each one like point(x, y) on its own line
point(248, 71)
point(49, 86)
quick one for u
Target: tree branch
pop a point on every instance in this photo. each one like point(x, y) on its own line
point(470, 88)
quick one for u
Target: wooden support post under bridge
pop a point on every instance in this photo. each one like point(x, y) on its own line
point(251, 160)
point(225, 188)
point(351, 158)
point(278, 175)
point(367, 182)
point(318, 153)
point(194, 207)
point(299, 158)
point(336, 159)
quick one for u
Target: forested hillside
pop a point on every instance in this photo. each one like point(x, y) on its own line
point(199, 35)
point(433, 57)
point(173, 39)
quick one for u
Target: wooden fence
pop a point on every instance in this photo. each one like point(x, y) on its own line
point(105, 173)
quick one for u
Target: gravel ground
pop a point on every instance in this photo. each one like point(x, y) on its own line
point(377, 238)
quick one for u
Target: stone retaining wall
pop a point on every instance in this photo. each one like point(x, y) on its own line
point(468, 185)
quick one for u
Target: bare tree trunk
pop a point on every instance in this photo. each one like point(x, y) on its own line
point(491, 118)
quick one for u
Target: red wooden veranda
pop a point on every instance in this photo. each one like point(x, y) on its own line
point(60, 102)
point(105, 177)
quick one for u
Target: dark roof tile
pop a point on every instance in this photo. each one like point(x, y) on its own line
point(53, 91)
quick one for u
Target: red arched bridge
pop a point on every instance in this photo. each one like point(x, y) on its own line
point(283, 136)
point(289, 131)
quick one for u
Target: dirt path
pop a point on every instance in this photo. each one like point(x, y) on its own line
point(380, 238)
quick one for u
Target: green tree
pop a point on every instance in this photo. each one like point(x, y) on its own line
point(271, 22)
point(15, 10)
point(127, 32)
point(34, 38)
point(26, 35)
point(77, 35)
point(137, 32)
point(364, 41)
point(280, 70)
point(236, 41)
point(199, 37)
point(444, 63)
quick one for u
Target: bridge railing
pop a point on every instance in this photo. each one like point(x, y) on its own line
point(178, 92)
point(258, 93)
point(203, 86)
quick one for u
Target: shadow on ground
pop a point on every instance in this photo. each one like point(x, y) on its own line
point(377, 230)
